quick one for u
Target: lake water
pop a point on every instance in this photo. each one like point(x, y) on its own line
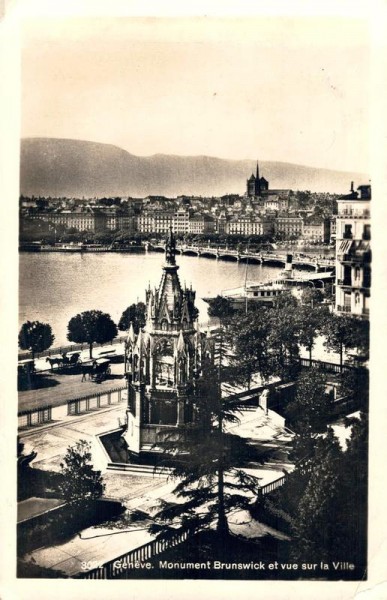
point(54, 286)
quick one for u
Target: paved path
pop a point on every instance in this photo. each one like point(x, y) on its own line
point(50, 441)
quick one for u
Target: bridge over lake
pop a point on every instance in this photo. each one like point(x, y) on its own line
point(270, 258)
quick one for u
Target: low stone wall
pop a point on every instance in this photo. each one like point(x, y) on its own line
point(73, 407)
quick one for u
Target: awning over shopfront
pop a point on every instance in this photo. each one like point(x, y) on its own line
point(345, 246)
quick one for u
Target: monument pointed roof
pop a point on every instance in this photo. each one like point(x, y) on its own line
point(140, 347)
point(180, 344)
point(169, 307)
point(170, 249)
point(131, 336)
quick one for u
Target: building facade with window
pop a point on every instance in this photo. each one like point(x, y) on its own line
point(82, 220)
point(200, 223)
point(244, 225)
point(180, 222)
point(288, 226)
point(163, 221)
point(314, 231)
point(353, 253)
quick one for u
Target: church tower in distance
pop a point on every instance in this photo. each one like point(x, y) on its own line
point(256, 186)
point(164, 362)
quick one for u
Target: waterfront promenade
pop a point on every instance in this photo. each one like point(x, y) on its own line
point(56, 389)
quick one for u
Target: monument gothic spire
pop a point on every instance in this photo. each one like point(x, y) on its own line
point(164, 361)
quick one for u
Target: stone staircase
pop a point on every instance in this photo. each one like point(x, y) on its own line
point(141, 470)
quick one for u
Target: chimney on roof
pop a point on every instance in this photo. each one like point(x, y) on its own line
point(352, 190)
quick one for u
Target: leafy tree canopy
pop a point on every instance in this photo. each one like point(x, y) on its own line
point(312, 296)
point(309, 411)
point(247, 336)
point(35, 336)
point(135, 313)
point(359, 338)
point(221, 308)
point(91, 326)
point(316, 529)
point(324, 500)
point(338, 332)
point(311, 322)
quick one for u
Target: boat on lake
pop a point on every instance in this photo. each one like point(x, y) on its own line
point(269, 291)
point(265, 293)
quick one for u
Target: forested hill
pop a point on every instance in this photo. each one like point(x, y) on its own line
point(76, 168)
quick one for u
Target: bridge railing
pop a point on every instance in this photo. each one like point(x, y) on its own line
point(270, 487)
point(272, 256)
point(329, 367)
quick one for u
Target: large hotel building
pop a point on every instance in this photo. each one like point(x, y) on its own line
point(353, 252)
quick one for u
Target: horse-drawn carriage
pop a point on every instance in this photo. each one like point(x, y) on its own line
point(65, 360)
point(100, 369)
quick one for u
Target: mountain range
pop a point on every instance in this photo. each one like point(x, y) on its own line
point(76, 168)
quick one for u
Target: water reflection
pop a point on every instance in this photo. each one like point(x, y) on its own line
point(54, 287)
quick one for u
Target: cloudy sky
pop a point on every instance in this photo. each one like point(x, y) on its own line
point(286, 89)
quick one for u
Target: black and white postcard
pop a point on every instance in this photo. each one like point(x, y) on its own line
point(197, 271)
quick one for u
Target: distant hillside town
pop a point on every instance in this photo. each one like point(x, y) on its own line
point(260, 212)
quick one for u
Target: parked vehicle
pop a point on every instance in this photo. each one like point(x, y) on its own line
point(26, 373)
point(101, 369)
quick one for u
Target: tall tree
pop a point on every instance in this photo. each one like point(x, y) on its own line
point(221, 308)
point(354, 383)
point(311, 321)
point(80, 481)
point(311, 297)
point(359, 339)
point(205, 464)
point(247, 335)
point(135, 313)
point(312, 405)
point(35, 336)
point(317, 528)
point(91, 326)
point(338, 331)
point(330, 522)
point(324, 500)
point(355, 478)
point(283, 339)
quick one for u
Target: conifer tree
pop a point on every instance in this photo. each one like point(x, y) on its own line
point(207, 464)
point(80, 481)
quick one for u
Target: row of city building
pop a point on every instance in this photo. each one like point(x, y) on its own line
point(183, 221)
point(260, 211)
